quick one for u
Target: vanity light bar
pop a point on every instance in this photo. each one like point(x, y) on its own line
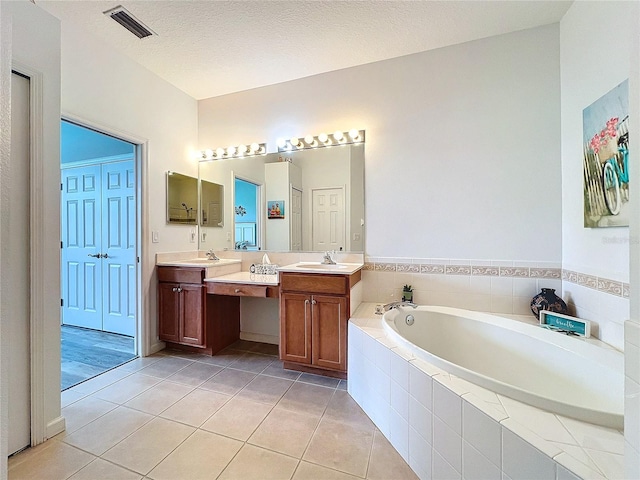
point(233, 152)
point(321, 140)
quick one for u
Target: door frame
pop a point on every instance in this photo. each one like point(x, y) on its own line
point(141, 168)
point(37, 253)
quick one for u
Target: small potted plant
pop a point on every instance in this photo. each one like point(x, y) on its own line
point(407, 293)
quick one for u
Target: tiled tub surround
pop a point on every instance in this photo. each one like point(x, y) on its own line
point(445, 427)
point(503, 287)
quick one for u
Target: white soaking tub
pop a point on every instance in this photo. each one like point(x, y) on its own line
point(569, 376)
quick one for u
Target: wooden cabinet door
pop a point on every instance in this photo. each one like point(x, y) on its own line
point(192, 331)
point(295, 327)
point(329, 332)
point(169, 311)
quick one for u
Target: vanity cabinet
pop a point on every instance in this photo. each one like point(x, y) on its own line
point(314, 311)
point(182, 306)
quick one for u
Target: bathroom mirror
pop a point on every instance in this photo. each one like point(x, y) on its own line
point(182, 199)
point(211, 204)
point(308, 200)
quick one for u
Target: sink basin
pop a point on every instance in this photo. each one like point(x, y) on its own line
point(321, 266)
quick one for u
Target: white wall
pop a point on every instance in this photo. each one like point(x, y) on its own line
point(466, 138)
point(590, 69)
point(102, 86)
point(31, 39)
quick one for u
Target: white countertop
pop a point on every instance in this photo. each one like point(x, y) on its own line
point(199, 262)
point(317, 267)
point(246, 278)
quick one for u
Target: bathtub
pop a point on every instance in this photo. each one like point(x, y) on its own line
point(565, 375)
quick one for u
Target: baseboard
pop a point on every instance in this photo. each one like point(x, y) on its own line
point(155, 348)
point(260, 337)
point(56, 426)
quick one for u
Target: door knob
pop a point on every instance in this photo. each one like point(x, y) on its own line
point(95, 255)
point(105, 255)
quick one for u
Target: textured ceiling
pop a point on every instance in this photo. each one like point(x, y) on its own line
point(211, 48)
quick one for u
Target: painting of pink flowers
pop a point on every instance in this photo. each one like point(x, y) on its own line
point(605, 147)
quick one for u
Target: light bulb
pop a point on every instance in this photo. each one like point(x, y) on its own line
point(219, 152)
point(208, 153)
point(295, 141)
point(354, 134)
point(254, 147)
point(231, 151)
point(242, 149)
point(281, 142)
point(338, 135)
point(324, 138)
point(309, 140)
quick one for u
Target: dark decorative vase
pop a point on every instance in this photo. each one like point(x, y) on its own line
point(547, 300)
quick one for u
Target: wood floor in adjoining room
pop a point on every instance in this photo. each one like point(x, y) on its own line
point(86, 353)
point(236, 415)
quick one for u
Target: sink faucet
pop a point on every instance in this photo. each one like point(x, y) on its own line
point(327, 259)
point(391, 305)
point(211, 255)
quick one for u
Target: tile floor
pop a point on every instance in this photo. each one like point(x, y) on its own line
point(237, 415)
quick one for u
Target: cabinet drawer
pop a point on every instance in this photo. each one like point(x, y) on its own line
point(180, 274)
point(314, 282)
point(237, 289)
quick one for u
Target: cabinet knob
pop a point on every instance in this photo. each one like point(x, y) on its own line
point(237, 290)
point(179, 289)
point(313, 302)
point(174, 289)
point(306, 302)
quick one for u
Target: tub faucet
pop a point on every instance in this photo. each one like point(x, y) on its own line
point(391, 305)
point(211, 255)
point(327, 259)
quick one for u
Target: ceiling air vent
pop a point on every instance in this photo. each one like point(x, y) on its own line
point(128, 21)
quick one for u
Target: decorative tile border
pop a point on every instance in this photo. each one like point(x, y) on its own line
point(604, 285)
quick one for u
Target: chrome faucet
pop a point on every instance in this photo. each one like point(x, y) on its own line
point(327, 259)
point(391, 305)
point(211, 255)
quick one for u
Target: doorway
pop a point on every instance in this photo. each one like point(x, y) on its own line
point(327, 219)
point(246, 201)
point(99, 221)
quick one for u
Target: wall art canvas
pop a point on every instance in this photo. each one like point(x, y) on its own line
point(275, 209)
point(605, 131)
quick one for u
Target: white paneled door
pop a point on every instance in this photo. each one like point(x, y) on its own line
point(98, 247)
point(327, 210)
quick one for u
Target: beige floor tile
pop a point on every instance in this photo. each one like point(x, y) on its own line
point(58, 460)
point(265, 389)
point(146, 447)
point(96, 383)
point(138, 364)
point(257, 463)
point(102, 470)
point(84, 411)
point(196, 407)
point(166, 366)
point(253, 362)
point(70, 396)
point(303, 397)
point(103, 433)
point(222, 359)
point(159, 397)
point(195, 374)
point(202, 456)
point(124, 390)
point(238, 418)
point(343, 408)
point(343, 447)
point(276, 370)
point(228, 381)
point(386, 462)
point(309, 471)
point(285, 431)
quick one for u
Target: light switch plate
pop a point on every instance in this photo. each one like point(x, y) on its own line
point(155, 237)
